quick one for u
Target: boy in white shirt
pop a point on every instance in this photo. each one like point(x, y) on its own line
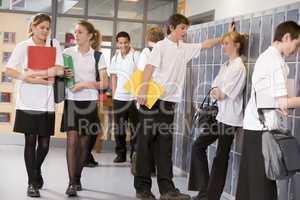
point(166, 66)
point(123, 64)
point(153, 35)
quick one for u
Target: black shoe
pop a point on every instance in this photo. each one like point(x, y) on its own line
point(32, 191)
point(200, 196)
point(91, 163)
point(71, 191)
point(145, 195)
point(78, 186)
point(175, 195)
point(120, 159)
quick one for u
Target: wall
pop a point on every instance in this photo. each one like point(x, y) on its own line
point(203, 69)
point(230, 8)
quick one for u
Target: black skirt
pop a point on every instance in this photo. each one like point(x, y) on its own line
point(253, 183)
point(81, 116)
point(35, 122)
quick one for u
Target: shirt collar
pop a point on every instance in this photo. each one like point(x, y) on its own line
point(31, 43)
point(234, 60)
point(151, 44)
point(173, 43)
point(91, 51)
point(119, 55)
point(276, 52)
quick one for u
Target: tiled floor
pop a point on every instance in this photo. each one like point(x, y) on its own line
point(106, 182)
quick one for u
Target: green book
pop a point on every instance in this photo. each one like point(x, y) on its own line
point(68, 64)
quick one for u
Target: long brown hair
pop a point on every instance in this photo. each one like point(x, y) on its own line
point(36, 20)
point(96, 35)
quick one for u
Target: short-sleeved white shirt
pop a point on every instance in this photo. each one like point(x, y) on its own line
point(269, 80)
point(84, 71)
point(123, 68)
point(144, 58)
point(35, 97)
point(170, 59)
point(231, 80)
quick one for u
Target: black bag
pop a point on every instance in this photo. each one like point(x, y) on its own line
point(59, 89)
point(204, 120)
point(58, 86)
point(281, 151)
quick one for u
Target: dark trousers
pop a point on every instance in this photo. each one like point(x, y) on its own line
point(253, 183)
point(126, 115)
point(211, 185)
point(155, 140)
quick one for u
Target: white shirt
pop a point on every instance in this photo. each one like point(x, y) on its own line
point(144, 56)
point(170, 60)
point(231, 80)
point(269, 80)
point(123, 68)
point(84, 71)
point(35, 97)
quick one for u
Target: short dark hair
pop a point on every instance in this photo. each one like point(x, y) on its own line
point(123, 34)
point(290, 27)
point(175, 20)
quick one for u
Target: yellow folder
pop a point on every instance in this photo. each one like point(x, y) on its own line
point(133, 85)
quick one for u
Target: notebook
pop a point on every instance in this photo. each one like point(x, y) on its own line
point(134, 84)
point(41, 58)
point(68, 64)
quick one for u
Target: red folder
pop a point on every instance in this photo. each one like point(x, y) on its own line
point(40, 58)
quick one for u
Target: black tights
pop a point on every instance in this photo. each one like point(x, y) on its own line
point(77, 150)
point(34, 155)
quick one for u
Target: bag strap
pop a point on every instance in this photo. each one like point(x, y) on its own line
point(97, 56)
point(208, 99)
point(260, 112)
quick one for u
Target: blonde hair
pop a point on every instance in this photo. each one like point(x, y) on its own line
point(36, 20)
point(237, 37)
point(155, 34)
point(96, 35)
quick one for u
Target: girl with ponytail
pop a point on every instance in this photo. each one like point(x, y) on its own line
point(80, 116)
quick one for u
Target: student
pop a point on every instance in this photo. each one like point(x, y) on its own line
point(123, 64)
point(153, 35)
point(35, 117)
point(167, 66)
point(269, 82)
point(80, 117)
point(228, 91)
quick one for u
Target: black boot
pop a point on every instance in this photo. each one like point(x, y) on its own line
point(91, 162)
point(120, 159)
point(71, 191)
point(32, 191)
point(78, 184)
